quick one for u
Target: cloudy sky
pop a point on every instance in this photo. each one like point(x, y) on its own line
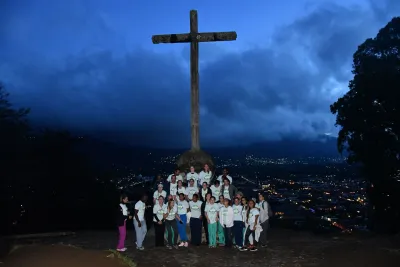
point(90, 66)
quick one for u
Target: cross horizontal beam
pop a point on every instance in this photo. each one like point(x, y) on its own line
point(189, 37)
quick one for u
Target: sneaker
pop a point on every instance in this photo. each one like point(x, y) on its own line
point(169, 247)
point(253, 249)
point(176, 247)
point(121, 249)
point(140, 248)
point(243, 249)
point(181, 244)
point(186, 244)
point(264, 246)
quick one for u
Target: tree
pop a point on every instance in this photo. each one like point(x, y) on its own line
point(12, 120)
point(13, 131)
point(369, 115)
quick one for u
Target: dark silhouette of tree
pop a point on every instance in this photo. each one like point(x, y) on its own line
point(13, 130)
point(369, 117)
point(47, 175)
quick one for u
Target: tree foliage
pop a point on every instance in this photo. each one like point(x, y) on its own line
point(369, 117)
point(369, 113)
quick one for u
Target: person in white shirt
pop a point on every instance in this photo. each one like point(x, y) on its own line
point(205, 175)
point(159, 192)
point(225, 173)
point(252, 219)
point(195, 220)
point(173, 187)
point(211, 213)
point(158, 219)
point(206, 201)
point(139, 222)
point(171, 217)
point(216, 189)
point(177, 174)
point(220, 229)
point(238, 223)
point(183, 209)
point(226, 221)
point(265, 213)
point(193, 175)
point(180, 189)
point(191, 190)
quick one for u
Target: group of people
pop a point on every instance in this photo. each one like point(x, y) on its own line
point(228, 218)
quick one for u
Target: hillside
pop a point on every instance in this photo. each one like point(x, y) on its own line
point(103, 153)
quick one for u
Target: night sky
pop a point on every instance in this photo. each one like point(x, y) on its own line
point(89, 66)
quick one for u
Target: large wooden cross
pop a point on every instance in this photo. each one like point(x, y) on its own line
point(194, 37)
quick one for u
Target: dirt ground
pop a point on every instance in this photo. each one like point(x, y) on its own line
point(286, 249)
point(60, 256)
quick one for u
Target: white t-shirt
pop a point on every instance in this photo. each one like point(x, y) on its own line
point(173, 188)
point(252, 216)
point(226, 192)
point(212, 212)
point(140, 207)
point(171, 213)
point(124, 209)
point(221, 181)
point(244, 213)
point(216, 191)
point(182, 207)
point(194, 176)
point(159, 211)
point(205, 177)
point(237, 212)
point(180, 190)
point(203, 192)
point(226, 216)
point(157, 194)
point(195, 208)
point(178, 178)
point(191, 190)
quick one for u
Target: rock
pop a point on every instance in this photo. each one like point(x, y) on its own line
point(195, 158)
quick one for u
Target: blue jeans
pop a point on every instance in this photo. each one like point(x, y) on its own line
point(238, 227)
point(182, 227)
point(140, 232)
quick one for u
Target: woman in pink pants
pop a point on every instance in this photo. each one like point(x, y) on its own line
point(121, 221)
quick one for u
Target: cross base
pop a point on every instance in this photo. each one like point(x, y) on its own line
point(195, 158)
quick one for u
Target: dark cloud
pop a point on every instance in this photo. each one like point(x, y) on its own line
point(282, 88)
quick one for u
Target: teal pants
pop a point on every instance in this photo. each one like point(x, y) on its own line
point(212, 234)
point(221, 236)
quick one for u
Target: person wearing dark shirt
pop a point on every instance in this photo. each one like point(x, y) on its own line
point(160, 180)
point(122, 216)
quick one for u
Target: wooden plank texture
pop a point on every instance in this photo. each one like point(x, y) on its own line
point(187, 37)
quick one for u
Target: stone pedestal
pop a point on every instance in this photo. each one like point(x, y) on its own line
point(195, 158)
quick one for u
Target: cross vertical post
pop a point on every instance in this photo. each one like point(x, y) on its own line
point(194, 81)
